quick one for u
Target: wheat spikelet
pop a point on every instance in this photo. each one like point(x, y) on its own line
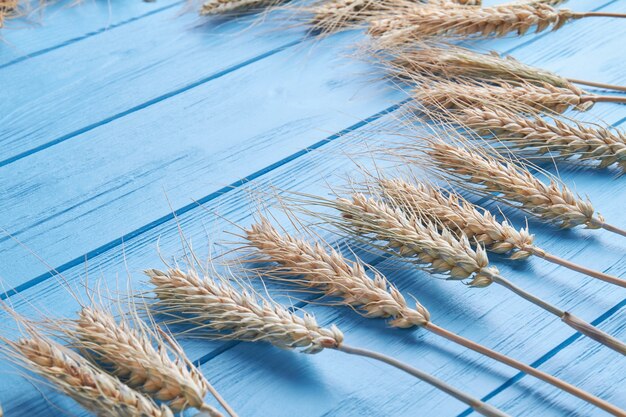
point(456, 213)
point(410, 23)
point(485, 174)
point(336, 276)
point(453, 62)
point(131, 356)
point(225, 7)
point(235, 314)
point(561, 140)
point(459, 95)
point(73, 375)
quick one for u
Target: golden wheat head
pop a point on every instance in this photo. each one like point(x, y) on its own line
point(234, 313)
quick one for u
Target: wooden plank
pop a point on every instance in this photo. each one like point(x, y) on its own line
point(47, 95)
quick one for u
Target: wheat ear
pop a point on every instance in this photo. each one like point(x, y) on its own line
point(458, 214)
point(73, 375)
point(542, 98)
point(225, 7)
point(411, 22)
point(436, 249)
point(561, 140)
point(241, 314)
point(505, 181)
point(130, 355)
point(454, 62)
point(336, 276)
point(328, 270)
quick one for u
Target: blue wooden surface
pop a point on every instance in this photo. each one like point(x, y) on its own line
point(107, 111)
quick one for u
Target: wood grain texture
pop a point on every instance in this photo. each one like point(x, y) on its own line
point(112, 179)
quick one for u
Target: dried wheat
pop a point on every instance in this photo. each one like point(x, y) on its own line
point(235, 314)
point(242, 315)
point(487, 175)
point(436, 249)
point(453, 62)
point(328, 270)
point(334, 275)
point(410, 22)
point(131, 356)
point(561, 140)
point(527, 97)
point(456, 213)
point(73, 375)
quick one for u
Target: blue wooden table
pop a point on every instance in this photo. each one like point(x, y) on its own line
point(122, 120)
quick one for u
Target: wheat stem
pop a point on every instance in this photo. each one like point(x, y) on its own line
point(568, 318)
point(599, 14)
point(603, 99)
point(479, 406)
point(599, 223)
point(527, 369)
point(599, 85)
point(575, 267)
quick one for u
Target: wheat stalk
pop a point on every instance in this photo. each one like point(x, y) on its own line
point(410, 22)
point(458, 214)
point(241, 314)
point(561, 140)
point(529, 97)
point(498, 178)
point(130, 355)
point(225, 7)
point(436, 249)
point(73, 375)
point(336, 276)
